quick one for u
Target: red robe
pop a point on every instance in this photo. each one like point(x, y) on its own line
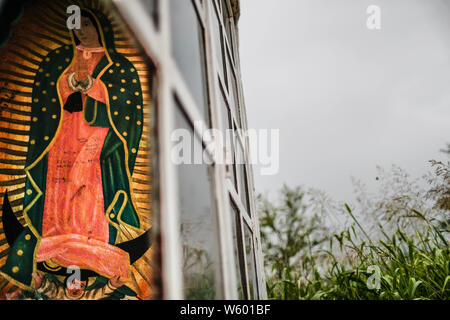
point(75, 230)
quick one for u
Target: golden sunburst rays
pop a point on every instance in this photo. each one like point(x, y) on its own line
point(142, 272)
point(33, 38)
point(41, 30)
point(6, 287)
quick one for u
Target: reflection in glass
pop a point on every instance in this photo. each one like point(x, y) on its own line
point(250, 256)
point(237, 245)
point(226, 126)
point(225, 113)
point(217, 41)
point(226, 19)
point(233, 92)
point(188, 50)
point(242, 173)
point(197, 224)
point(152, 9)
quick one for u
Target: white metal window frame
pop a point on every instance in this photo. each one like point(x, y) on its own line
point(156, 41)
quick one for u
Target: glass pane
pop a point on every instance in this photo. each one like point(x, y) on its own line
point(250, 256)
point(227, 136)
point(226, 19)
point(238, 246)
point(228, 71)
point(218, 41)
point(233, 92)
point(198, 234)
point(152, 8)
point(242, 172)
point(188, 49)
point(225, 113)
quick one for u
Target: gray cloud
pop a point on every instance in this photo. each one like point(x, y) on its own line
point(346, 98)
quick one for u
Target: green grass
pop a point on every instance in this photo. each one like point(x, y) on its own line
point(355, 267)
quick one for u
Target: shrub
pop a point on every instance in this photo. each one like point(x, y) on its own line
point(390, 245)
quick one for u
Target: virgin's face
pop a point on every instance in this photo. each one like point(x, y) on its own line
point(87, 34)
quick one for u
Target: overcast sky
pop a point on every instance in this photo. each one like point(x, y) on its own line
point(346, 98)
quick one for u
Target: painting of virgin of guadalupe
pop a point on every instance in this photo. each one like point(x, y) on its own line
point(85, 131)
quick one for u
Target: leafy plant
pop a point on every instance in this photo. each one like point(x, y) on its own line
point(394, 246)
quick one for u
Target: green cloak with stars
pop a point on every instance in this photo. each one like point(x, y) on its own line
point(122, 114)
